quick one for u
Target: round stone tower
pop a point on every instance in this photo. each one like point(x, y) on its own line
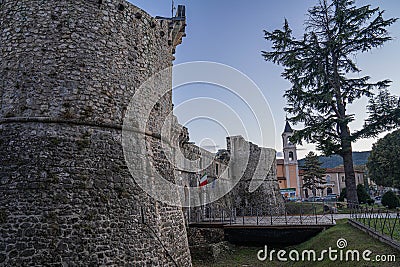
point(68, 70)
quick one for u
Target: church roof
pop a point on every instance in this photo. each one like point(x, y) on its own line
point(288, 128)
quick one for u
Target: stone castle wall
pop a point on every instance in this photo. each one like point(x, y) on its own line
point(68, 70)
point(209, 164)
point(249, 165)
point(260, 169)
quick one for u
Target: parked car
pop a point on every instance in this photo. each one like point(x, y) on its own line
point(331, 197)
point(378, 200)
point(314, 199)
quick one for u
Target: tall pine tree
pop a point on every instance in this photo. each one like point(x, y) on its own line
point(321, 65)
point(313, 174)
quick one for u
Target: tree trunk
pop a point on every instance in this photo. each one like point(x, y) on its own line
point(346, 148)
point(351, 187)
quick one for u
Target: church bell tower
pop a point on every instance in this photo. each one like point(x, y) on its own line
point(290, 160)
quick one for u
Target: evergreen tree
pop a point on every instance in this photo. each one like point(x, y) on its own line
point(384, 161)
point(321, 67)
point(313, 173)
point(362, 194)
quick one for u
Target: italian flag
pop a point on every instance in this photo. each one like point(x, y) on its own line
point(203, 180)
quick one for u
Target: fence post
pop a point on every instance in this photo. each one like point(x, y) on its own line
point(257, 215)
point(301, 212)
point(394, 225)
point(351, 213)
point(365, 214)
point(376, 219)
point(286, 221)
point(271, 217)
point(384, 221)
point(315, 212)
point(370, 216)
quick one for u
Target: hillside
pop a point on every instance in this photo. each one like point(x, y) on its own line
point(359, 158)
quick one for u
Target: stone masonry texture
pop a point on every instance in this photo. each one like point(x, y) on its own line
point(243, 162)
point(261, 167)
point(68, 70)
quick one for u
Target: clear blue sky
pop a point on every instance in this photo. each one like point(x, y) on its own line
point(231, 32)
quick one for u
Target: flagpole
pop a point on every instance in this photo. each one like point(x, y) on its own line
point(201, 196)
point(172, 10)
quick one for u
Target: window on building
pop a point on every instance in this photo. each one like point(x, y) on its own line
point(216, 169)
point(291, 156)
point(329, 190)
point(328, 179)
point(343, 179)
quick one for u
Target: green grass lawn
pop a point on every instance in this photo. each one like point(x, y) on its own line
point(296, 208)
point(389, 227)
point(356, 240)
point(375, 208)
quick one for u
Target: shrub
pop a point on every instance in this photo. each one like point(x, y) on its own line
point(370, 201)
point(342, 194)
point(390, 200)
point(362, 194)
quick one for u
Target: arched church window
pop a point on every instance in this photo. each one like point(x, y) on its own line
point(328, 179)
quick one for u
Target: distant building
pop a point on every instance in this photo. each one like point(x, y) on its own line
point(335, 181)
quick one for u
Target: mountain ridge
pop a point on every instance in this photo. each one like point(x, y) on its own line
point(359, 158)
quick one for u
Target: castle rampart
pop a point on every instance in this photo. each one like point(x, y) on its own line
point(68, 70)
